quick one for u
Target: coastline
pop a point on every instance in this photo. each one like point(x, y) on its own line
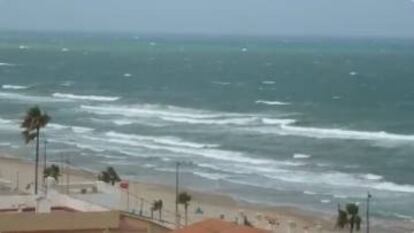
point(213, 204)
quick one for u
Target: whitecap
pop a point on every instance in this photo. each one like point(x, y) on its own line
point(221, 83)
point(266, 102)
point(160, 140)
point(67, 83)
point(85, 97)
point(372, 177)
point(339, 196)
point(64, 50)
point(210, 176)
point(353, 73)
point(301, 156)
point(23, 47)
point(6, 64)
point(9, 125)
point(325, 201)
point(122, 122)
point(28, 98)
point(273, 121)
point(309, 193)
point(244, 50)
point(341, 134)
point(81, 130)
point(5, 144)
point(13, 87)
point(127, 75)
point(268, 82)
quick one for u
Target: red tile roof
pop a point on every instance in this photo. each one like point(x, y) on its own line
point(218, 226)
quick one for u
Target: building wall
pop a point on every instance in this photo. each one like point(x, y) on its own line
point(62, 221)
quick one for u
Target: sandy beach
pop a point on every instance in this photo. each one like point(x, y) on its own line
point(17, 173)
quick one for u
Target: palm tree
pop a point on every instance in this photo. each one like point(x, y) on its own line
point(354, 219)
point(184, 199)
point(52, 171)
point(157, 206)
point(34, 120)
point(160, 205)
point(342, 218)
point(109, 176)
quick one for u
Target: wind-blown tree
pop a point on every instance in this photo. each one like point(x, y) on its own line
point(354, 218)
point(34, 120)
point(184, 199)
point(52, 171)
point(109, 176)
point(342, 218)
point(156, 206)
point(159, 205)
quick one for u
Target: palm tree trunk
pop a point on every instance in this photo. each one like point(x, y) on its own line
point(160, 215)
point(37, 160)
point(351, 230)
point(186, 214)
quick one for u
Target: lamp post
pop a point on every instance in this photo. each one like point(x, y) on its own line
point(369, 196)
point(44, 155)
point(177, 177)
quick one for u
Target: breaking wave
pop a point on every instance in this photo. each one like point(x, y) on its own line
point(182, 115)
point(13, 87)
point(267, 102)
point(85, 97)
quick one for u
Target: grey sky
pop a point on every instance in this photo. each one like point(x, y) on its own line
point(393, 18)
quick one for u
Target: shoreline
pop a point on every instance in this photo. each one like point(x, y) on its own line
point(212, 203)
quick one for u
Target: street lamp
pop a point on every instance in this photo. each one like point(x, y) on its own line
point(177, 177)
point(45, 156)
point(369, 196)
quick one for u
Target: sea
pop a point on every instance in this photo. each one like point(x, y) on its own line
point(307, 122)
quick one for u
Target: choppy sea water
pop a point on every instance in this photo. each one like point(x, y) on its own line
point(309, 122)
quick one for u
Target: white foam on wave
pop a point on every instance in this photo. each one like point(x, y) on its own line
point(309, 193)
point(85, 97)
point(341, 134)
point(6, 64)
point(353, 73)
point(13, 87)
point(81, 130)
point(148, 110)
point(29, 98)
point(122, 122)
point(210, 176)
point(5, 144)
point(229, 121)
point(274, 121)
point(160, 140)
point(338, 179)
point(182, 148)
point(67, 83)
point(181, 115)
point(372, 177)
point(6, 124)
point(340, 196)
point(301, 156)
point(75, 129)
point(127, 75)
point(221, 83)
point(274, 103)
point(268, 82)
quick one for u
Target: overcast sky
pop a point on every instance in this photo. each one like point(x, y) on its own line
point(393, 18)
